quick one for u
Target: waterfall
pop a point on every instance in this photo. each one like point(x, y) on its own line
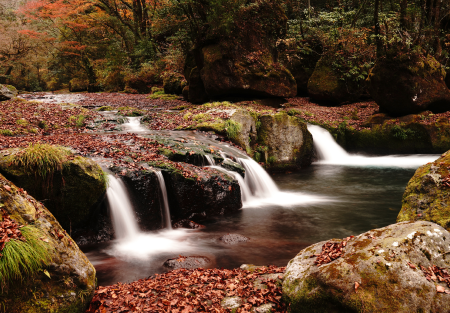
point(134, 124)
point(122, 211)
point(257, 179)
point(162, 187)
point(329, 152)
point(210, 160)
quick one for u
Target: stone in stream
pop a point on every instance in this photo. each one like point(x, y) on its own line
point(232, 239)
point(7, 92)
point(65, 282)
point(379, 271)
point(189, 262)
point(187, 224)
point(427, 195)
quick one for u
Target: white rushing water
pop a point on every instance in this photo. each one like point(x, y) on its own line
point(162, 188)
point(210, 160)
point(122, 211)
point(329, 152)
point(134, 125)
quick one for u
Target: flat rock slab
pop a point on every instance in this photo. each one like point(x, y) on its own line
point(232, 239)
point(190, 262)
point(379, 271)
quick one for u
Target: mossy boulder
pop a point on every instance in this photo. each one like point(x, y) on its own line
point(247, 132)
point(228, 72)
point(7, 92)
point(327, 87)
point(70, 194)
point(404, 85)
point(70, 283)
point(385, 264)
point(427, 197)
point(173, 84)
point(288, 141)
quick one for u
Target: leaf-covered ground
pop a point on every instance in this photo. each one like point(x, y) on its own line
point(199, 290)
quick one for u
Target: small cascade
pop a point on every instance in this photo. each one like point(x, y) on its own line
point(122, 211)
point(257, 179)
point(210, 160)
point(134, 124)
point(162, 187)
point(246, 194)
point(329, 152)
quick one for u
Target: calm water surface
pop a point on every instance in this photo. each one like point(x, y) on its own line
point(350, 200)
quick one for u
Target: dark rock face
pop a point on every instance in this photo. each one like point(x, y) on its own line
point(7, 92)
point(187, 224)
point(190, 262)
point(447, 80)
point(386, 265)
point(71, 272)
point(326, 87)
point(196, 91)
point(427, 197)
point(230, 74)
point(402, 86)
point(232, 239)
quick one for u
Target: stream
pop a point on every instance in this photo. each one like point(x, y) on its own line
point(338, 196)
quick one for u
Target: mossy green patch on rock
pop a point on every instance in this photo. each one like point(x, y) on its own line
point(7, 92)
point(69, 191)
point(426, 197)
point(71, 284)
point(378, 261)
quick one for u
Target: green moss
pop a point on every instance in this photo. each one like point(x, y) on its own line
point(22, 122)
point(105, 108)
point(6, 132)
point(232, 128)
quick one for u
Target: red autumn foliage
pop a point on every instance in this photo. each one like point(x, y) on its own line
point(182, 291)
point(331, 251)
point(9, 230)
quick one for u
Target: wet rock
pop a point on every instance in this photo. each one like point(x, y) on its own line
point(70, 271)
point(325, 86)
point(233, 166)
point(7, 92)
point(260, 282)
point(427, 195)
point(231, 302)
point(378, 271)
point(232, 239)
point(265, 308)
point(187, 224)
point(72, 194)
point(404, 85)
point(190, 262)
point(288, 141)
point(250, 267)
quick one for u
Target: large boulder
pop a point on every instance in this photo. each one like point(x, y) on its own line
point(427, 195)
point(391, 269)
point(288, 141)
point(327, 87)
point(230, 72)
point(247, 133)
point(7, 92)
point(55, 275)
point(404, 85)
point(196, 89)
point(70, 193)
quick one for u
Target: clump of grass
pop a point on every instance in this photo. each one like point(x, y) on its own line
point(162, 96)
point(41, 159)
point(23, 259)
point(232, 128)
point(22, 122)
point(78, 120)
point(187, 116)
point(200, 117)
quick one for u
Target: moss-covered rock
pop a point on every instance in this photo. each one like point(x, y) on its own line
point(70, 194)
point(427, 197)
point(247, 134)
point(173, 84)
point(7, 92)
point(70, 283)
point(404, 84)
point(229, 72)
point(288, 141)
point(325, 85)
point(384, 262)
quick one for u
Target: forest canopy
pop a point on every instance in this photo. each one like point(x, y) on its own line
point(116, 45)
